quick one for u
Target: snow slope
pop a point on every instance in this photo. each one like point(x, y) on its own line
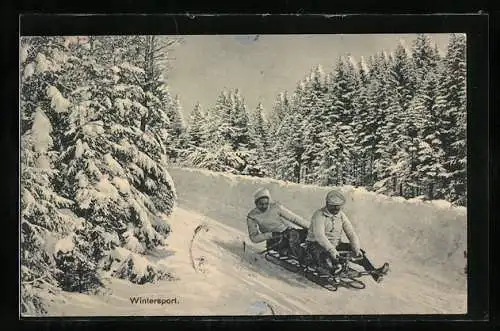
point(424, 243)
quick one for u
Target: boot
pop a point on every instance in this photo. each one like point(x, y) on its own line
point(379, 273)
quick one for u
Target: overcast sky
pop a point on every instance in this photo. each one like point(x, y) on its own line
point(265, 66)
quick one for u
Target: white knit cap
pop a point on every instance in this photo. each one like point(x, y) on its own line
point(261, 193)
point(334, 197)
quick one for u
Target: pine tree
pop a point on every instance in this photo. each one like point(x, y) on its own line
point(178, 122)
point(239, 123)
point(194, 129)
point(113, 169)
point(259, 129)
point(45, 60)
point(289, 146)
point(451, 106)
point(393, 161)
point(402, 77)
point(427, 169)
point(43, 220)
point(163, 115)
point(424, 58)
point(259, 151)
point(206, 141)
point(177, 130)
point(313, 125)
point(223, 113)
point(228, 144)
point(340, 126)
point(375, 120)
point(363, 159)
point(289, 149)
point(281, 108)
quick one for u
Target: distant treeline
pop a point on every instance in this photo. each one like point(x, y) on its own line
point(392, 123)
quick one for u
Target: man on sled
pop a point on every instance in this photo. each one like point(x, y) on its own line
point(267, 222)
point(323, 238)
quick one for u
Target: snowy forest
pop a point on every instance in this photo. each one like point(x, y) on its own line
point(394, 123)
point(99, 128)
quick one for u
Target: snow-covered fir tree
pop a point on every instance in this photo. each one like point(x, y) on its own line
point(392, 163)
point(217, 152)
point(114, 172)
point(288, 149)
point(211, 150)
point(339, 133)
point(177, 129)
point(44, 212)
point(425, 58)
point(194, 127)
point(281, 108)
point(372, 117)
point(258, 127)
point(178, 122)
point(313, 106)
point(102, 100)
point(238, 121)
point(259, 133)
point(43, 220)
point(363, 160)
point(451, 107)
point(44, 61)
point(298, 135)
point(428, 172)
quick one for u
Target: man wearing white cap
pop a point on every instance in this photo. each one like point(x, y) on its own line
point(266, 222)
point(323, 238)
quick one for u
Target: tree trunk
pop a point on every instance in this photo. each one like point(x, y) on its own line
point(431, 191)
point(297, 170)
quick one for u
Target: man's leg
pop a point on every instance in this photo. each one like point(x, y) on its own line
point(321, 258)
point(284, 247)
point(376, 273)
point(279, 244)
point(272, 244)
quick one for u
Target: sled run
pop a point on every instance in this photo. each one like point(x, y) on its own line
point(221, 272)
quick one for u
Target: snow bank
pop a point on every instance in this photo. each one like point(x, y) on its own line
point(429, 236)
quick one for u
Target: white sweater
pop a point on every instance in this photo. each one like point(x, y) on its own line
point(262, 224)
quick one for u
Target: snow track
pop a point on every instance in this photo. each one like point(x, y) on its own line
point(423, 242)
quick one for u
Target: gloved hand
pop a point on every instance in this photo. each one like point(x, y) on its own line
point(277, 235)
point(334, 253)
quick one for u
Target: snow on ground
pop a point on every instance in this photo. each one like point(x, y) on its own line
point(424, 243)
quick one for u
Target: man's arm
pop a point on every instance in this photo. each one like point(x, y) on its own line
point(254, 233)
point(351, 234)
point(292, 217)
point(318, 227)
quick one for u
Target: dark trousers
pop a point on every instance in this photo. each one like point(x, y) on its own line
point(289, 242)
point(321, 257)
